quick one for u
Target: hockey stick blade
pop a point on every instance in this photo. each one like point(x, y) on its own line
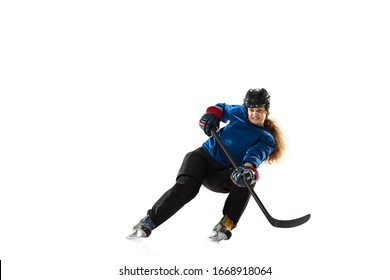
point(289, 223)
point(274, 222)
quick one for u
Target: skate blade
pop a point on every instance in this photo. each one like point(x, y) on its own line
point(136, 234)
point(217, 237)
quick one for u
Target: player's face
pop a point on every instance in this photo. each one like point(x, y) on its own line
point(257, 116)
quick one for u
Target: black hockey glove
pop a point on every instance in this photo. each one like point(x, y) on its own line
point(241, 173)
point(210, 121)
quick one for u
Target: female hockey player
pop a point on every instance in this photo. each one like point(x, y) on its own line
point(250, 136)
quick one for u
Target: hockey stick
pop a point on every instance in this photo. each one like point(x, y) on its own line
point(273, 221)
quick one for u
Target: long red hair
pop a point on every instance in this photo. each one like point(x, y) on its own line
point(280, 145)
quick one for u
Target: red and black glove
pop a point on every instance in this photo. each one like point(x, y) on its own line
point(247, 173)
point(210, 121)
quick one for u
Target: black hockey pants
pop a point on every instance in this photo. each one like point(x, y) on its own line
point(199, 168)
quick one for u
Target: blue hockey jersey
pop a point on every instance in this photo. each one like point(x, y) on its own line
point(245, 141)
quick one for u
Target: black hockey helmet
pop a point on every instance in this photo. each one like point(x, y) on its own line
point(255, 98)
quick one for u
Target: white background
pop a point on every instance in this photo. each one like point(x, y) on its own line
point(100, 101)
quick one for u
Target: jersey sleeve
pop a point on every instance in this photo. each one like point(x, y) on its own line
point(231, 111)
point(260, 151)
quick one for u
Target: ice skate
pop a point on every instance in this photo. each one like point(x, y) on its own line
point(142, 229)
point(223, 230)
